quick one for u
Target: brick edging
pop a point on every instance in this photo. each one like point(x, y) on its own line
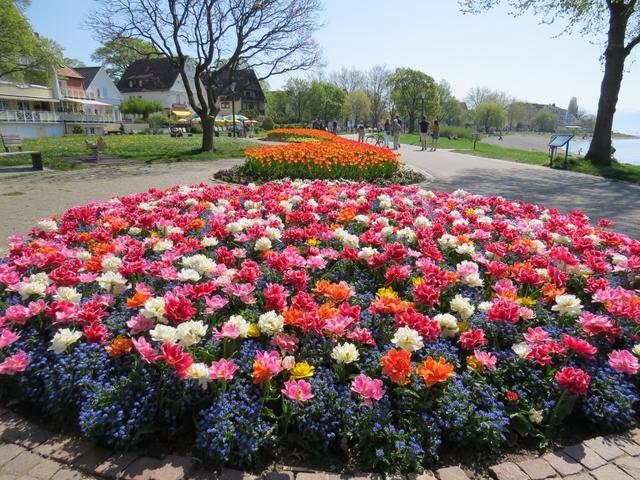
point(29, 451)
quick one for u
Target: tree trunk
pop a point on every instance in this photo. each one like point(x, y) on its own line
point(600, 149)
point(207, 133)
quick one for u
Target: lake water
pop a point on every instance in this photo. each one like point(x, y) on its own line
point(627, 149)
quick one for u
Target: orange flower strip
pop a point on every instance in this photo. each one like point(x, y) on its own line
point(396, 364)
point(335, 157)
point(433, 371)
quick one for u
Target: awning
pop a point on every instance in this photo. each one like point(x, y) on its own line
point(181, 113)
point(29, 99)
point(87, 102)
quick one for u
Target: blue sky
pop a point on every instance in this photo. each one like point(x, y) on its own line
point(517, 55)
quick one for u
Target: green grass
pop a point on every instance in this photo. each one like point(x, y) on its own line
point(145, 148)
point(616, 171)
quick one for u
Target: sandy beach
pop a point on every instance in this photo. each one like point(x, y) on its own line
point(534, 142)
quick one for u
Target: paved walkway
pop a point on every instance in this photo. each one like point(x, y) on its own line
point(566, 191)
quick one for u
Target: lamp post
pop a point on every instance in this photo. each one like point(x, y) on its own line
point(233, 107)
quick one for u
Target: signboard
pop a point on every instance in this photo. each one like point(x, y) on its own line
point(560, 140)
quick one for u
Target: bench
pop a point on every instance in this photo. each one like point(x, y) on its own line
point(10, 140)
point(95, 148)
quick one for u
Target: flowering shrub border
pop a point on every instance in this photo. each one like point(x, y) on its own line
point(396, 320)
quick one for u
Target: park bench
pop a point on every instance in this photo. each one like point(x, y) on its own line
point(96, 148)
point(12, 140)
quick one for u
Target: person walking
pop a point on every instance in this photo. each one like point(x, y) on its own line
point(435, 135)
point(387, 132)
point(361, 133)
point(397, 127)
point(424, 133)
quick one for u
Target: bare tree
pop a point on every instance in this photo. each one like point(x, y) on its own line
point(377, 85)
point(478, 95)
point(349, 79)
point(208, 40)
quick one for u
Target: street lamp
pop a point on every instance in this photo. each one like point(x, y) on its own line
point(233, 107)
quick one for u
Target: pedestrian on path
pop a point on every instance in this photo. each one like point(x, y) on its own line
point(435, 135)
point(361, 133)
point(424, 133)
point(397, 127)
point(387, 132)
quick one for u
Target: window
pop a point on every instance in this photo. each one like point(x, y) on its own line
point(98, 92)
point(130, 83)
point(225, 105)
point(4, 105)
point(139, 83)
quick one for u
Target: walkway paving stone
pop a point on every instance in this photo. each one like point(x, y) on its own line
point(452, 473)
point(8, 451)
point(508, 471)
point(21, 464)
point(585, 455)
point(631, 465)
point(45, 470)
point(625, 442)
point(64, 449)
point(610, 472)
point(537, 469)
point(562, 463)
point(605, 448)
point(169, 468)
point(92, 459)
point(115, 465)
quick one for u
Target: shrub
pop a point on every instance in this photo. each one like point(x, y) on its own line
point(267, 123)
point(458, 132)
point(195, 128)
point(77, 129)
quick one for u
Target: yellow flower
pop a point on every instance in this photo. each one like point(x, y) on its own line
point(471, 211)
point(312, 242)
point(463, 326)
point(387, 293)
point(154, 234)
point(302, 370)
point(254, 330)
point(526, 301)
point(417, 281)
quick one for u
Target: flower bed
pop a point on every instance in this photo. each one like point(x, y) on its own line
point(296, 135)
point(324, 160)
point(393, 323)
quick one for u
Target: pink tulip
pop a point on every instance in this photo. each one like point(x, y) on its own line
point(271, 360)
point(368, 388)
point(623, 361)
point(7, 337)
point(485, 358)
point(223, 369)
point(288, 362)
point(228, 330)
point(15, 363)
point(297, 390)
point(145, 350)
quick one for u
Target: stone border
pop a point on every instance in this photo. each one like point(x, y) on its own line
point(29, 452)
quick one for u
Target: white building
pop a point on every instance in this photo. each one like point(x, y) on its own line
point(156, 79)
point(100, 87)
point(53, 110)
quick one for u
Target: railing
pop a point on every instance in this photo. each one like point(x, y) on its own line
point(77, 93)
point(29, 116)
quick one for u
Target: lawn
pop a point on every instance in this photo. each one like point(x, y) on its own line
point(148, 148)
point(617, 171)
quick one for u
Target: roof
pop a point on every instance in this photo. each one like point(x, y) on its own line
point(245, 79)
point(67, 71)
point(88, 73)
point(155, 74)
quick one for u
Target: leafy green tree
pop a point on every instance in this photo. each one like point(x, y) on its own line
point(73, 62)
point(297, 90)
point(325, 100)
point(411, 90)
point(573, 107)
point(120, 52)
point(140, 106)
point(276, 104)
point(357, 106)
point(24, 55)
point(545, 121)
point(452, 110)
point(520, 113)
point(620, 19)
point(490, 114)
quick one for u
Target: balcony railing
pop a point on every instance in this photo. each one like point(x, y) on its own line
point(77, 93)
point(29, 116)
